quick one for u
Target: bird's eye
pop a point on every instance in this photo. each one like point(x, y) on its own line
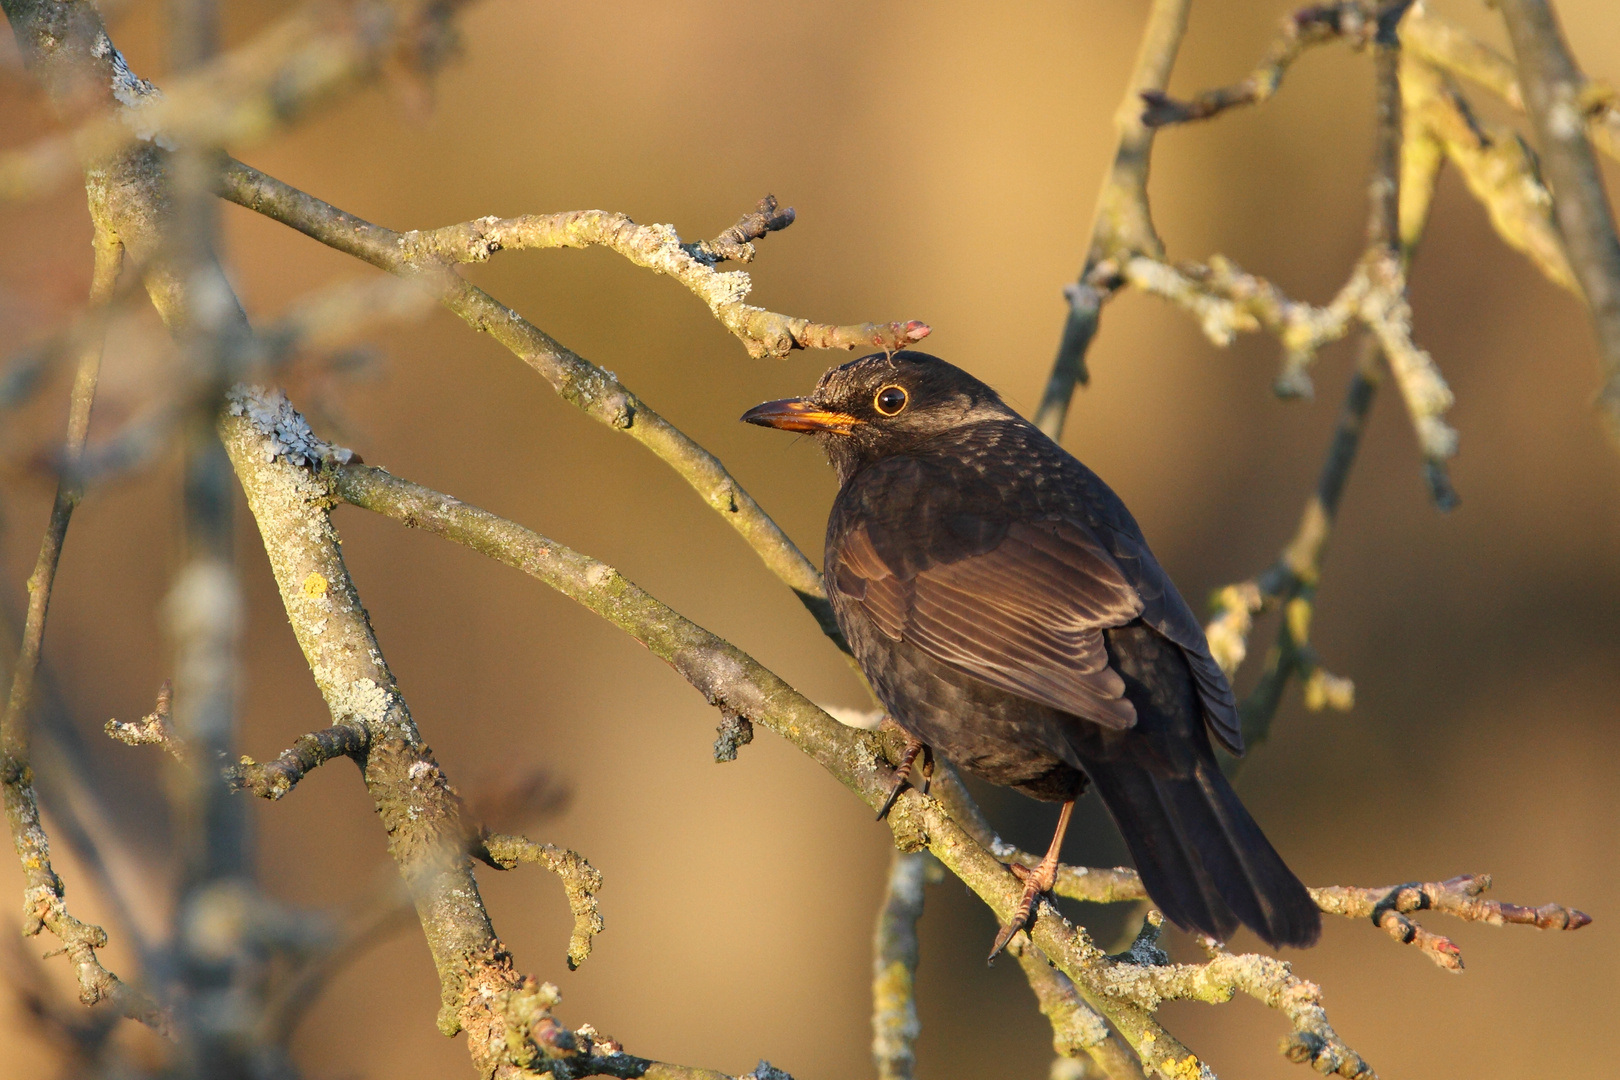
point(890, 400)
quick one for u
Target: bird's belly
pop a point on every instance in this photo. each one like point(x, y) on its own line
point(996, 736)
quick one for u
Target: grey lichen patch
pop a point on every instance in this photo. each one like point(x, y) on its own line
point(364, 701)
point(287, 434)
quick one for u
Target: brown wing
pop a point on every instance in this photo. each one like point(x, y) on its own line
point(1026, 616)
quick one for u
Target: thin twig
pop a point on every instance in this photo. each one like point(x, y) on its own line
point(581, 881)
point(153, 729)
point(1317, 25)
point(1122, 220)
point(43, 905)
point(660, 249)
point(273, 779)
point(1389, 908)
point(737, 242)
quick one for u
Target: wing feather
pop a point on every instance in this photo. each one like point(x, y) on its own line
point(1026, 616)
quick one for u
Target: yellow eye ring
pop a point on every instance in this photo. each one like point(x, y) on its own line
point(891, 400)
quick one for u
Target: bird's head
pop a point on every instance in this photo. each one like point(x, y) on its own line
point(882, 404)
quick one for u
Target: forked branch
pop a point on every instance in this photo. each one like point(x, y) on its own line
point(593, 389)
point(286, 474)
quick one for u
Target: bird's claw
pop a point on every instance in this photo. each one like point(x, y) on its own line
point(902, 774)
point(1023, 913)
point(1038, 881)
point(894, 794)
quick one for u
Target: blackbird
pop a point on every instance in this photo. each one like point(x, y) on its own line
point(1008, 613)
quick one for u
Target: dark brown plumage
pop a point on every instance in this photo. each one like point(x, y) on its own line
point(1009, 614)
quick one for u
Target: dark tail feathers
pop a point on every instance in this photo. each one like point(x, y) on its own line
point(1205, 862)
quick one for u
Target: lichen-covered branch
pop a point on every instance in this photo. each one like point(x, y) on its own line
point(592, 389)
point(1559, 100)
point(1499, 168)
point(273, 779)
point(894, 965)
point(414, 800)
point(1387, 906)
point(153, 729)
point(660, 249)
point(1224, 299)
point(737, 242)
point(581, 881)
point(287, 475)
point(1395, 220)
point(1077, 1029)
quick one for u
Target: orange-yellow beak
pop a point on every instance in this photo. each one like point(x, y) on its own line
point(799, 414)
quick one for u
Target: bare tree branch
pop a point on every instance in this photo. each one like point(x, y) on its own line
point(1453, 49)
point(1077, 1029)
point(153, 729)
point(1499, 168)
point(1389, 909)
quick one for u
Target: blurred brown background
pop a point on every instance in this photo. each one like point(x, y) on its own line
point(943, 158)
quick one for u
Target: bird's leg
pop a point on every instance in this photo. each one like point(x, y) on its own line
point(927, 768)
point(1036, 882)
point(902, 772)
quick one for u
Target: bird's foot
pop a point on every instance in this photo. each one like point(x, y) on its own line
point(902, 773)
point(1037, 883)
